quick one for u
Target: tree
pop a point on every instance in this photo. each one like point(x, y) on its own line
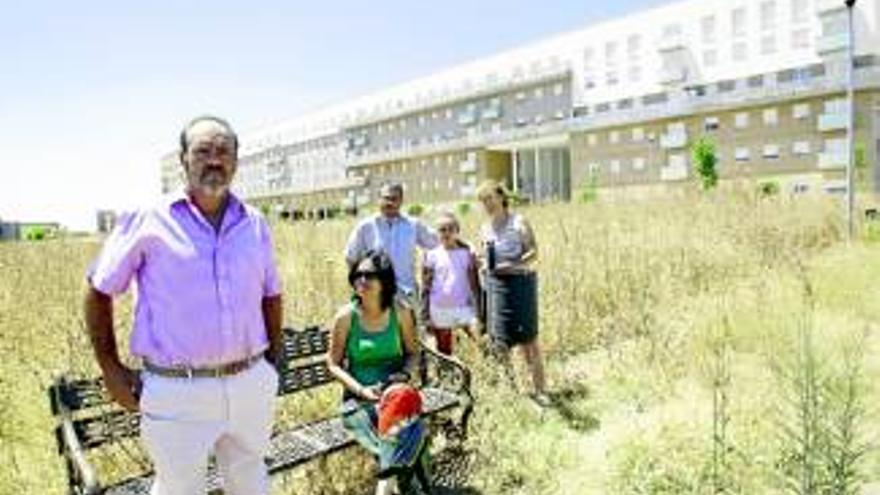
point(705, 160)
point(860, 162)
point(589, 189)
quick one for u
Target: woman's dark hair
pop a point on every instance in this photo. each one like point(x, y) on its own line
point(385, 276)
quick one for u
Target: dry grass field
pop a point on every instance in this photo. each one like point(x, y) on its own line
point(720, 344)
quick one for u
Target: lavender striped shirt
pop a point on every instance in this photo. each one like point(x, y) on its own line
point(199, 293)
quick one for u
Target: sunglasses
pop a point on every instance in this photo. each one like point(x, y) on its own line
point(446, 228)
point(364, 274)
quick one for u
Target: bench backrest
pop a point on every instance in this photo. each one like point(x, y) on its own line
point(96, 420)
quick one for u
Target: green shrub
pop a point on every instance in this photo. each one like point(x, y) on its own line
point(705, 159)
point(768, 188)
point(588, 192)
point(415, 209)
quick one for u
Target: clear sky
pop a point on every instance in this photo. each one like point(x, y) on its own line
point(92, 93)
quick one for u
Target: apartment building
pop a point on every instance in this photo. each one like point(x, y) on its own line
point(617, 104)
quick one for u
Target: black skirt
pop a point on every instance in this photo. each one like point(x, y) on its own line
point(512, 307)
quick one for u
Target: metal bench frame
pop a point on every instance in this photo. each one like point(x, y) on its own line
point(86, 418)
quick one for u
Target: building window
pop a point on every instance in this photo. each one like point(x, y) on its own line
point(738, 22)
point(726, 86)
point(671, 30)
point(771, 117)
point(836, 145)
point(589, 81)
point(835, 106)
point(614, 137)
point(768, 15)
point(707, 28)
point(611, 78)
point(741, 121)
point(800, 148)
point(768, 45)
point(712, 124)
point(594, 168)
point(558, 89)
point(832, 25)
point(799, 11)
point(800, 111)
point(638, 134)
point(592, 140)
point(539, 92)
point(520, 95)
point(615, 166)
point(739, 51)
point(800, 39)
point(611, 53)
point(633, 46)
point(710, 58)
point(771, 151)
point(635, 74)
point(588, 57)
point(741, 154)
point(638, 164)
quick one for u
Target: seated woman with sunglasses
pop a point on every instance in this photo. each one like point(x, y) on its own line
point(373, 344)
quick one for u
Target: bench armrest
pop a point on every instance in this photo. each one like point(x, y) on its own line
point(451, 373)
point(83, 471)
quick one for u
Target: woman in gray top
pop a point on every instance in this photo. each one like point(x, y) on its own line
point(511, 283)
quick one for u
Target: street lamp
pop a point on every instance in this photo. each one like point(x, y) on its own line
point(850, 124)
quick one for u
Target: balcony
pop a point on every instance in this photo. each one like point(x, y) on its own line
point(829, 6)
point(467, 118)
point(672, 76)
point(468, 166)
point(673, 173)
point(832, 160)
point(829, 122)
point(671, 43)
point(491, 113)
point(673, 140)
point(831, 44)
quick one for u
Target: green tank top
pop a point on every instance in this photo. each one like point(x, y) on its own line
point(374, 356)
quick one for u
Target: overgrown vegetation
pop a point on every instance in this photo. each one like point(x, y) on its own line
point(732, 351)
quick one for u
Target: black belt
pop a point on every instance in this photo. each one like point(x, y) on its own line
point(219, 371)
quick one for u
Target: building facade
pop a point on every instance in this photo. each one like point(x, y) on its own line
point(615, 105)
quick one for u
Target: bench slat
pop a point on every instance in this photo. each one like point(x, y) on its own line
point(304, 377)
point(299, 344)
point(78, 394)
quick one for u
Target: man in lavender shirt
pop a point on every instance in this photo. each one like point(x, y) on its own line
point(207, 323)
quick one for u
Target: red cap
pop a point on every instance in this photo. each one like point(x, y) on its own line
point(399, 401)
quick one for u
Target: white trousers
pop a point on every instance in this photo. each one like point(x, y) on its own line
point(184, 420)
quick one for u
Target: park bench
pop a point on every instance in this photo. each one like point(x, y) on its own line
point(88, 422)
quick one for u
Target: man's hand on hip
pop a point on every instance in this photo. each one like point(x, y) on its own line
point(124, 385)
